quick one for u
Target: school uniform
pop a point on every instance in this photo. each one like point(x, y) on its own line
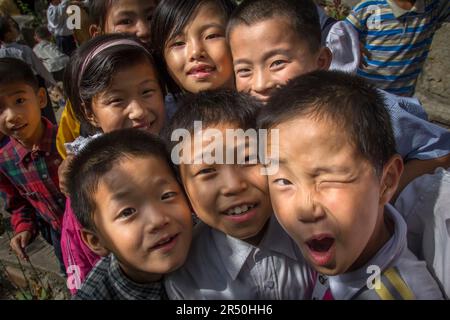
point(425, 205)
point(222, 267)
point(402, 276)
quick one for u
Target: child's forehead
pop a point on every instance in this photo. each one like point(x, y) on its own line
point(125, 6)
point(268, 34)
point(7, 89)
point(128, 168)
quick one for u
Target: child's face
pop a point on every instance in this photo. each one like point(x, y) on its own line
point(326, 196)
point(133, 100)
point(143, 217)
point(231, 198)
point(269, 53)
point(20, 114)
point(199, 58)
point(131, 16)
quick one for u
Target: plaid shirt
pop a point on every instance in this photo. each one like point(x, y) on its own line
point(29, 182)
point(107, 282)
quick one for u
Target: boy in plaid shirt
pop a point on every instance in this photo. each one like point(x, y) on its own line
point(29, 161)
point(134, 214)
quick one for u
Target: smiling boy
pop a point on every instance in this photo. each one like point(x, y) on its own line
point(239, 251)
point(133, 212)
point(29, 161)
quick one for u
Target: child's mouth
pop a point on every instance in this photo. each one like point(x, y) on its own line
point(320, 249)
point(166, 243)
point(241, 213)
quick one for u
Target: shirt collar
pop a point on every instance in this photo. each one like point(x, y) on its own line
point(419, 7)
point(234, 252)
point(345, 286)
point(129, 289)
point(45, 145)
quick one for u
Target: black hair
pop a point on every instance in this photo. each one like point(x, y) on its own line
point(6, 21)
point(301, 14)
point(42, 33)
point(212, 108)
point(98, 11)
point(98, 158)
point(15, 70)
point(349, 102)
point(170, 18)
point(98, 73)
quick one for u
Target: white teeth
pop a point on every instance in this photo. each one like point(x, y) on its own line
point(239, 210)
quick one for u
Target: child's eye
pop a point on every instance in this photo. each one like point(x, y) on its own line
point(168, 195)
point(150, 17)
point(125, 213)
point(250, 160)
point(125, 22)
point(115, 101)
point(282, 182)
point(20, 101)
point(205, 171)
point(243, 73)
point(213, 36)
point(277, 63)
point(177, 44)
point(148, 92)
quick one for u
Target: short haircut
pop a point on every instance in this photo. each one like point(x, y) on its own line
point(347, 101)
point(301, 14)
point(97, 11)
point(98, 158)
point(42, 33)
point(170, 18)
point(99, 72)
point(214, 108)
point(14, 70)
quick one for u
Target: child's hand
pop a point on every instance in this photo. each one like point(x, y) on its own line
point(62, 170)
point(19, 242)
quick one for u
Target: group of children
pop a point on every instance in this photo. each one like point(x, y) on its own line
point(135, 225)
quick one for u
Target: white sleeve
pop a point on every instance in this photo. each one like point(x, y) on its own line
point(343, 41)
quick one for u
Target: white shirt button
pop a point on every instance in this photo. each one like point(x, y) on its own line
point(44, 176)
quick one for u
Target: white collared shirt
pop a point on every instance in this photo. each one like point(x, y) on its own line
point(393, 254)
point(223, 267)
point(425, 205)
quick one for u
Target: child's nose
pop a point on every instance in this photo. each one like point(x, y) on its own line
point(307, 209)
point(196, 49)
point(156, 220)
point(262, 83)
point(143, 30)
point(233, 182)
point(137, 111)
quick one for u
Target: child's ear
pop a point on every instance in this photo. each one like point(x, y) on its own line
point(94, 30)
point(42, 98)
point(324, 58)
point(90, 116)
point(94, 242)
point(390, 179)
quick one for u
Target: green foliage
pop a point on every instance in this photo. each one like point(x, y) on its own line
point(335, 8)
